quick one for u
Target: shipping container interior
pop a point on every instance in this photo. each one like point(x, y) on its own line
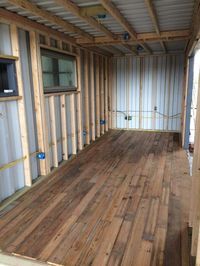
point(100, 132)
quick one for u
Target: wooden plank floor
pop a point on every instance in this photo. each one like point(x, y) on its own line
point(123, 201)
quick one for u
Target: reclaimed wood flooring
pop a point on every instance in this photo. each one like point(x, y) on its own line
point(123, 201)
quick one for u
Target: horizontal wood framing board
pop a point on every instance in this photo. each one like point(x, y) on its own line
point(147, 37)
point(127, 205)
point(11, 98)
point(2, 56)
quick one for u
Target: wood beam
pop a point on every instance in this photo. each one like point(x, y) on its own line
point(100, 51)
point(195, 29)
point(115, 13)
point(64, 126)
point(92, 101)
point(142, 37)
point(163, 46)
point(74, 9)
point(97, 96)
point(39, 102)
point(79, 102)
point(164, 35)
point(34, 9)
point(73, 123)
point(92, 10)
point(154, 19)
point(110, 89)
point(102, 97)
point(52, 109)
point(86, 97)
point(113, 49)
point(195, 13)
point(106, 80)
point(21, 107)
point(152, 14)
point(131, 50)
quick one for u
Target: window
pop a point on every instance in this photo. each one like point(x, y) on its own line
point(42, 39)
point(53, 43)
point(59, 72)
point(8, 84)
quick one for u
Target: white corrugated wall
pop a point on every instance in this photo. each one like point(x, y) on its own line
point(11, 179)
point(147, 92)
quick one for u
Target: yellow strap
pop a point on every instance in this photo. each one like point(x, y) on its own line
point(9, 165)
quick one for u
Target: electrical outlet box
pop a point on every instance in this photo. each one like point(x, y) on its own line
point(102, 122)
point(129, 117)
point(41, 155)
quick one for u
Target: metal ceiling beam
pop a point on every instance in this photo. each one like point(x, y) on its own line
point(34, 9)
point(115, 13)
point(154, 19)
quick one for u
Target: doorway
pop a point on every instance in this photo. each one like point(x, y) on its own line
point(191, 105)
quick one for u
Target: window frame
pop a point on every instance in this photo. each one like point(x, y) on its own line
point(58, 55)
point(11, 72)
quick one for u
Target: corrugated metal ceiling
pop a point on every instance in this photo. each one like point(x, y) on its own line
point(155, 47)
point(172, 15)
point(175, 46)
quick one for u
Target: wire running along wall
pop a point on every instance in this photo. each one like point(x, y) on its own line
point(147, 92)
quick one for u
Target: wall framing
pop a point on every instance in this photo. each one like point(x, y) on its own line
point(66, 46)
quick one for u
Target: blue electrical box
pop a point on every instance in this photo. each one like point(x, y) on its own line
point(41, 155)
point(102, 122)
point(126, 36)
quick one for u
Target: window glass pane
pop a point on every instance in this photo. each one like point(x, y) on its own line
point(8, 85)
point(3, 77)
point(47, 64)
point(48, 80)
point(67, 72)
point(65, 81)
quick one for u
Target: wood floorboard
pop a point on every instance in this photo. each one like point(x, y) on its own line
point(123, 201)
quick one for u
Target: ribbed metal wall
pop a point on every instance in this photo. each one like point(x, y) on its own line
point(148, 91)
point(58, 127)
point(11, 179)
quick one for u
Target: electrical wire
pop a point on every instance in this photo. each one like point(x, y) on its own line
point(157, 112)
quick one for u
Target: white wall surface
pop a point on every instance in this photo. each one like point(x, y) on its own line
point(141, 84)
